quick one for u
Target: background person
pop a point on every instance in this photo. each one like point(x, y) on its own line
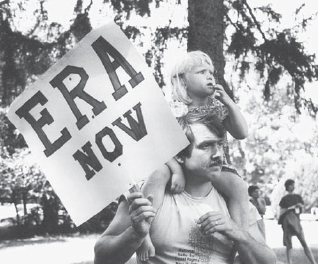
point(291, 206)
point(260, 204)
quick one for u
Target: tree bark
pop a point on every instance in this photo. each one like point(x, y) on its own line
point(206, 33)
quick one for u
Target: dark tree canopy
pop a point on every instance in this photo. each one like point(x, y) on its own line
point(24, 56)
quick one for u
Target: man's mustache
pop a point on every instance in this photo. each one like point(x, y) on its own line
point(216, 162)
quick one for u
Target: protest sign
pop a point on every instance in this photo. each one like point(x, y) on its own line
point(97, 121)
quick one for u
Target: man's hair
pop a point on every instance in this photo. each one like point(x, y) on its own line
point(252, 188)
point(182, 65)
point(211, 121)
point(288, 183)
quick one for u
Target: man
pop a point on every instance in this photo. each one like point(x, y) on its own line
point(193, 226)
point(291, 206)
point(260, 205)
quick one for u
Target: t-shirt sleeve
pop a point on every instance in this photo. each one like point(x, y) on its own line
point(282, 203)
point(301, 199)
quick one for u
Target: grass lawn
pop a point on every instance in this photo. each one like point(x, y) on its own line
point(78, 249)
point(74, 249)
point(298, 255)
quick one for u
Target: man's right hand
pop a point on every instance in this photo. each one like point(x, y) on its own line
point(141, 213)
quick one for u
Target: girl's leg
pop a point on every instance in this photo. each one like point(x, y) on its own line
point(234, 188)
point(154, 186)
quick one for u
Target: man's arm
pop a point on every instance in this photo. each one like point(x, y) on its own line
point(250, 245)
point(126, 232)
point(261, 206)
point(252, 248)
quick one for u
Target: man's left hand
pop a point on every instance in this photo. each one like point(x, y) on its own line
point(216, 221)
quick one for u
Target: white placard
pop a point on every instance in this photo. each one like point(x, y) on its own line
point(96, 121)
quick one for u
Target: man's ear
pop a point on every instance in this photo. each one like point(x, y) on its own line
point(180, 158)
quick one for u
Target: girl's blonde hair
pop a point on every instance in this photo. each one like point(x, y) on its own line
point(183, 65)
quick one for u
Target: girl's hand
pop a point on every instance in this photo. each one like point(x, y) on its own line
point(177, 183)
point(221, 95)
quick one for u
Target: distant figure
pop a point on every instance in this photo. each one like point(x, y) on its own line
point(50, 213)
point(260, 205)
point(291, 206)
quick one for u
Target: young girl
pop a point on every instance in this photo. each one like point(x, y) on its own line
point(194, 89)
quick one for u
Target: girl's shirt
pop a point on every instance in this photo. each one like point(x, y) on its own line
point(213, 106)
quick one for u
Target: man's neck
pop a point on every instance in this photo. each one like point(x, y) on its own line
point(198, 189)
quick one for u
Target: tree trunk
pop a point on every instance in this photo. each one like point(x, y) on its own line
point(206, 33)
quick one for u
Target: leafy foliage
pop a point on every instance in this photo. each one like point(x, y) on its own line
point(278, 147)
point(275, 52)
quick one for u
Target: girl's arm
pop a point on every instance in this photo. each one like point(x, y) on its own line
point(235, 122)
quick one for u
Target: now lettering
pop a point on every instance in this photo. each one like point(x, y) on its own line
point(89, 161)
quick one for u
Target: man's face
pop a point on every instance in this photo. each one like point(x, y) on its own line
point(206, 157)
point(255, 194)
point(291, 187)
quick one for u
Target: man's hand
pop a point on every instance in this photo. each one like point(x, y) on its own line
point(250, 245)
point(141, 213)
point(216, 221)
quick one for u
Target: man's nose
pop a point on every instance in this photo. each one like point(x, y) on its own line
point(217, 152)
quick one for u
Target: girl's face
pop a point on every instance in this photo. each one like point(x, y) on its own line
point(200, 81)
